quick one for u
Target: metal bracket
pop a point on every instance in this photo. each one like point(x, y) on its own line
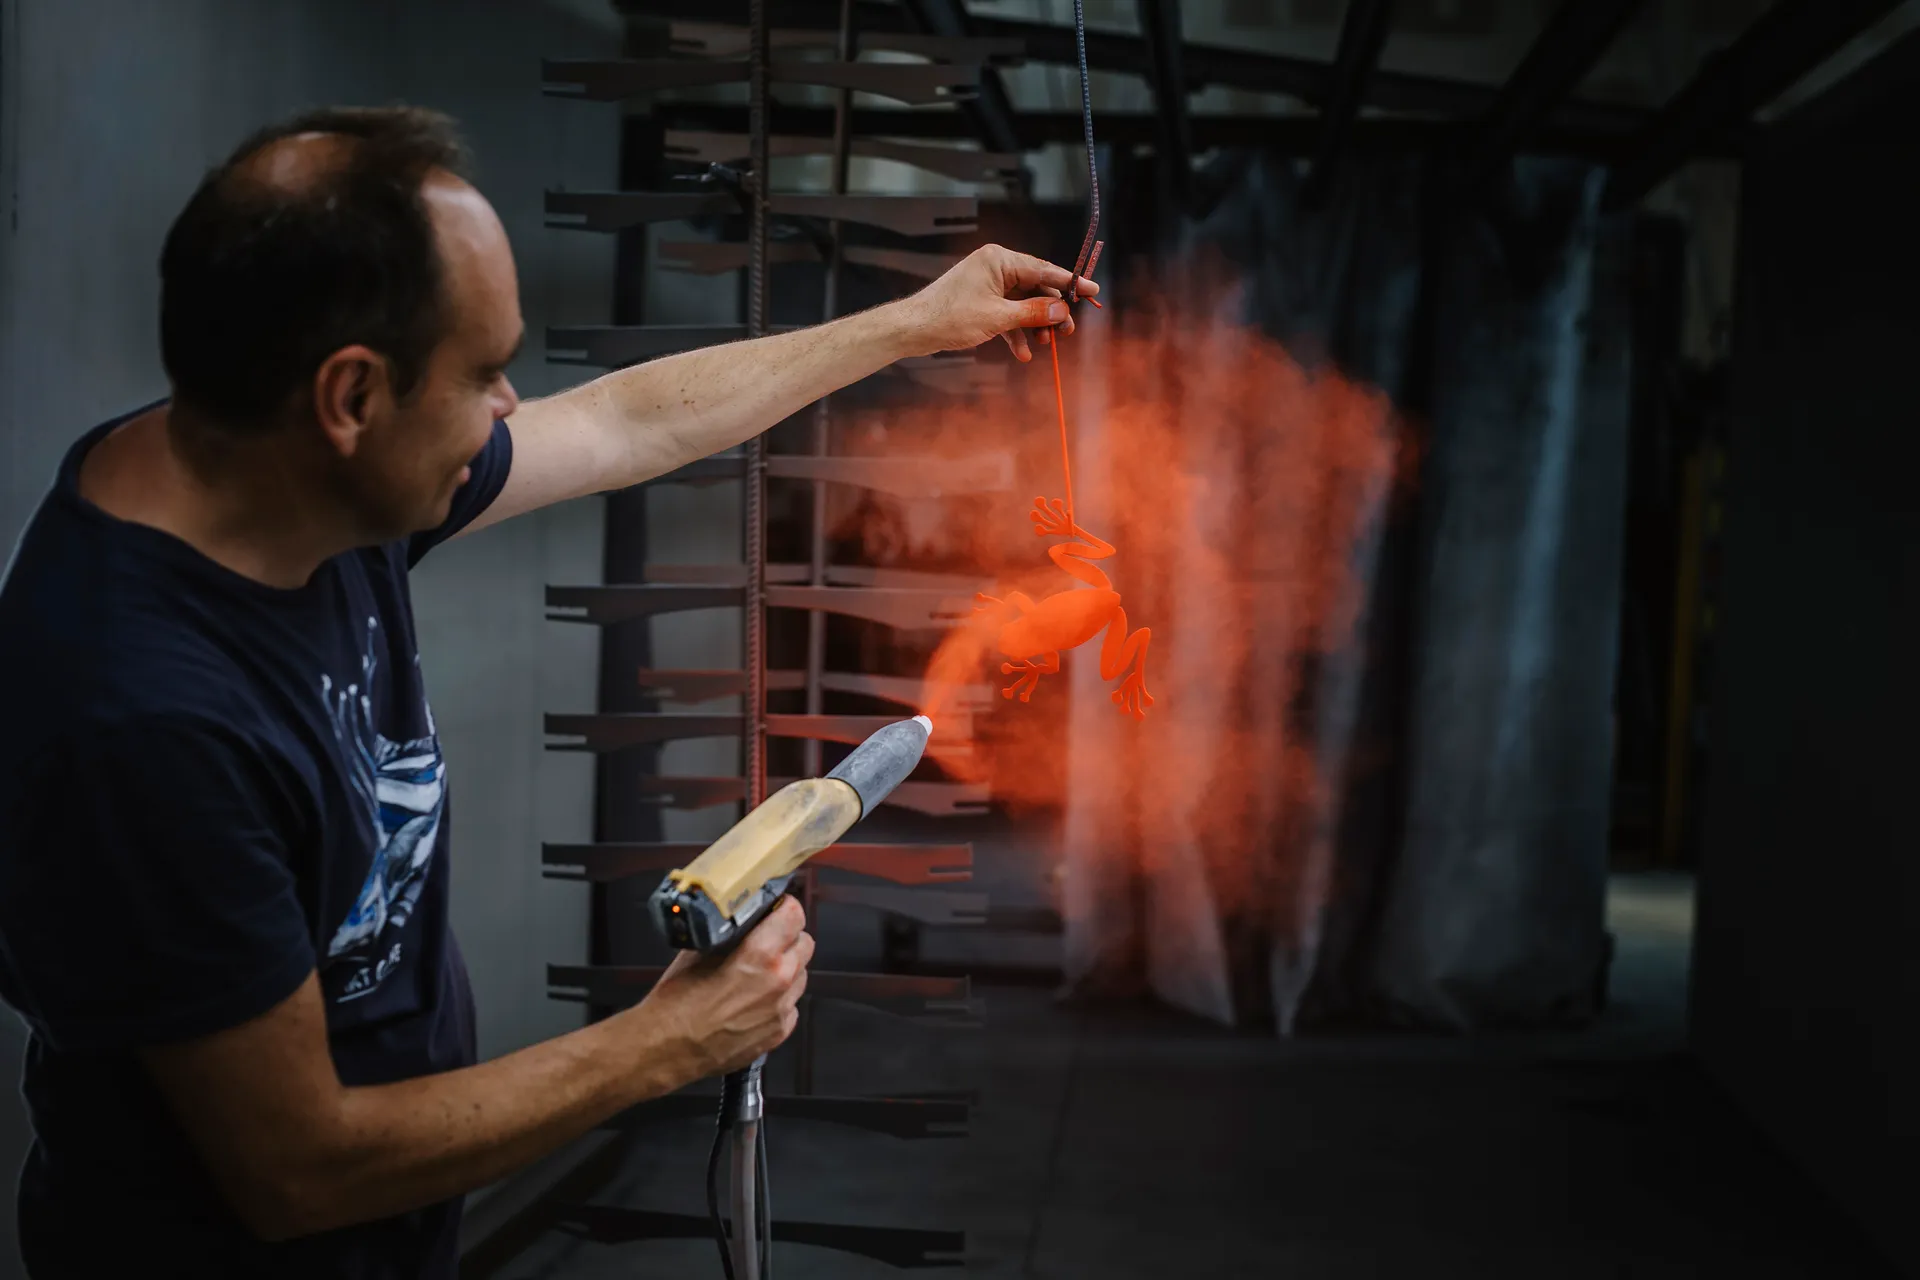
point(911, 1119)
point(902, 864)
point(902, 477)
point(937, 909)
point(717, 40)
point(942, 1000)
point(904, 610)
point(704, 686)
point(601, 732)
point(616, 79)
point(903, 215)
point(895, 1246)
point(934, 799)
point(962, 165)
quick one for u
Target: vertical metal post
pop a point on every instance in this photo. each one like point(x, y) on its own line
point(754, 728)
point(822, 436)
point(746, 1244)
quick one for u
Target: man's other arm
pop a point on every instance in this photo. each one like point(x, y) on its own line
point(638, 423)
point(295, 1151)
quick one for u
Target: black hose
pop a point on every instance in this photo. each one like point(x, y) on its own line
point(713, 1176)
point(766, 1205)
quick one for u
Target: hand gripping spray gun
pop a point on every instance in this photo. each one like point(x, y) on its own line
point(716, 900)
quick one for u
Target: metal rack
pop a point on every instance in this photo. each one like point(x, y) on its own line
point(903, 881)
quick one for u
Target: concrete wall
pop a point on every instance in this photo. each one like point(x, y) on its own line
point(109, 112)
point(1805, 978)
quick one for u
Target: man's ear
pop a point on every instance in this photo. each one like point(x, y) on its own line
point(352, 392)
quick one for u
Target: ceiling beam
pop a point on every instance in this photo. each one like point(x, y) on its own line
point(1362, 36)
point(1788, 41)
point(1202, 64)
point(1298, 135)
point(1160, 21)
point(1576, 37)
point(1860, 93)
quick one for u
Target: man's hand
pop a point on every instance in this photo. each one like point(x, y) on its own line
point(992, 292)
point(725, 1012)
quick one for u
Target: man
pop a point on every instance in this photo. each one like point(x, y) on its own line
point(223, 808)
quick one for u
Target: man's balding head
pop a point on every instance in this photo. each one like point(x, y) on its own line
point(315, 234)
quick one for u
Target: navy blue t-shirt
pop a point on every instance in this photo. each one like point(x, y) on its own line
point(209, 789)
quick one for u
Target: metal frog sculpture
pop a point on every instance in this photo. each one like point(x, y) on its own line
point(1035, 633)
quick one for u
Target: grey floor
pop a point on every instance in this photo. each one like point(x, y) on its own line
point(1139, 1143)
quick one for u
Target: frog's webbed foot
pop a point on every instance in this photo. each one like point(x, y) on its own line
point(1030, 672)
point(1049, 516)
point(1132, 697)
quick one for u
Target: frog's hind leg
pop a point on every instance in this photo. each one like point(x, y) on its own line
point(1120, 651)
point(1030, 672)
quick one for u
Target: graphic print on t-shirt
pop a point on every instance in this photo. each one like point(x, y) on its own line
point(402, 786)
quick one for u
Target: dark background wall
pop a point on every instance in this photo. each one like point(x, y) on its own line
point(1807, 947)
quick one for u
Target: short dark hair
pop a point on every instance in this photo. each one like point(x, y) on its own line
point(260, 282)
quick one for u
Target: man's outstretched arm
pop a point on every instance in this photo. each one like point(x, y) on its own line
point(645, 421)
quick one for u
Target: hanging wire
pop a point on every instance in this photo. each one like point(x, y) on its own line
point(1089, 254)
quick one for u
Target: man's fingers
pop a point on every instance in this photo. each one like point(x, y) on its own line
point(776, 933)
point(1028, 273)
point(1036, 313)
point(1017, 343)
point(792, 995)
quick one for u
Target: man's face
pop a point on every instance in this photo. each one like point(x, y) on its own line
point(402, 478)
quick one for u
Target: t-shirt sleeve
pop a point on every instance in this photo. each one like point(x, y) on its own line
point(487, 476)
point(154, 898)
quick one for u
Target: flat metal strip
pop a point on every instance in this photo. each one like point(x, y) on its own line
point(618, 210)
point(903, 215)
point(903, 609)
point(908, 262)
point(900, 864)
point(616, 79)
point(902, 477)
point(904, 995)
point(895, 1246)
point(604, 606)
point(943, 910)
point(704, 686)
point(709, 257)
point(718, 40)
point(720, 575)
point(866, 575)
point(934, 799)
point(616, 731)
point(910, 1119)
point(962, 164)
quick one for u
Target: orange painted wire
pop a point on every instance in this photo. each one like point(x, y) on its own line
point(1060, 402)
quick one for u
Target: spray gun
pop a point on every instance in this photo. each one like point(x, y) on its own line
point(716, 900)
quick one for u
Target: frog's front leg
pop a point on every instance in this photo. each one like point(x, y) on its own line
point(1049, 516)
point(1031, 670)
point(1119, 651)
